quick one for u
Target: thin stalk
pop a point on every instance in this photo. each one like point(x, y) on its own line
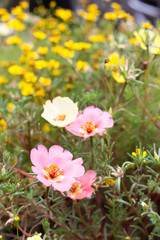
point(133, 208)
point(146, 77)
point(92, 156)
point(146, 111)
point(25, 233)
point(84, 221)
point(120, 96)
point(48, 204)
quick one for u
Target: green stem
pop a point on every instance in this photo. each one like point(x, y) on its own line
point(92, 156)
point(48, 204)
point(84, 221)
point(134, 209)
point(120, 96)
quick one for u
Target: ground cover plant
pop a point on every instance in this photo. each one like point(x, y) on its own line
point(79, 124)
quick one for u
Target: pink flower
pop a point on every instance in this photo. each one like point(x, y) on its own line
point(93, 120)
point(81, 188)
point(56, 167)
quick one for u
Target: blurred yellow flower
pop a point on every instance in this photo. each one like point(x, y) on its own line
point(26, 88)
point(53, 64)
point(35, 237)
point(63, 52)
point(24, 4)
point(109, 182)
point(39, 35)
point(148, 38)
point(26, 47)
point(110, 16)
point(45, 81)
point(15, 70)
point(81, 65)
point(10, 106)
point(46, 128)
point(116, 6)
point(3, 125)
point(13, 40)
point(115, 60)
point(77, 45)
point(97, 38)
point(43, 50)
point(3, 80)
point(5, 17)
point(64, 14)
point(56, 72)
point(147, 25)
point(139, 153)
point(55, 39)
point(16, 24)
point(30, 77)
point(40, 64)
point(52, 4)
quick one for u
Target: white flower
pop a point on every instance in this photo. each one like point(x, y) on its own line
point(4, 30)
point(60, 112)
point(35, 237)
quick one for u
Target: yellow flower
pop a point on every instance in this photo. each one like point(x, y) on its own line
point(147, 25)
point(3, 125)
point(77, 45)
point(24, 4)
point(122, 14)
point(110, 16)
point(118, 77)
point(13, 40)
point(61, 27)
point(5, 17)
point(93, 8)
point(26, 47)
point(81, 65)
point(3, 11)
point(43, 50)
point(53, 64)
point(69, 86)
point(30, 77)
point(39, 93)
point(52, 4)
point(89, 16)
point(56, 72)
point(40, 64)
point(16, 219)
point(16, 10)
point(16, 24)
point(148, 38)
point(114, 59)
point(116, 6)
point(97, 38)
point(3, 80)
point(55, 39)
point(109, 182)
point(64, 14)
point(139, 153)
point(26, 88)
point(39, 35)
point(45, 81)
point(10, 106)
point(63, 52)
point(15, 70)
point(46, 128)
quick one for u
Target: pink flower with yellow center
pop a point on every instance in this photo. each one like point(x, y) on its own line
point(82, 187)
point(56, 167)
point(93, 120)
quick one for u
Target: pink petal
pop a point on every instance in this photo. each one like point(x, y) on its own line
point(59, 157)
point(44, 181)
point(64, 185)
point(40, 157)
point(74, 168)
point(88, 178)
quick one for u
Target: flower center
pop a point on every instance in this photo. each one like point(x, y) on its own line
point(53, 172)
point(60, 117)
point(88, 127)
point(75, 189)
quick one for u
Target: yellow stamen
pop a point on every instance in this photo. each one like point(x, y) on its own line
point(88, 127)
point(60, 117)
